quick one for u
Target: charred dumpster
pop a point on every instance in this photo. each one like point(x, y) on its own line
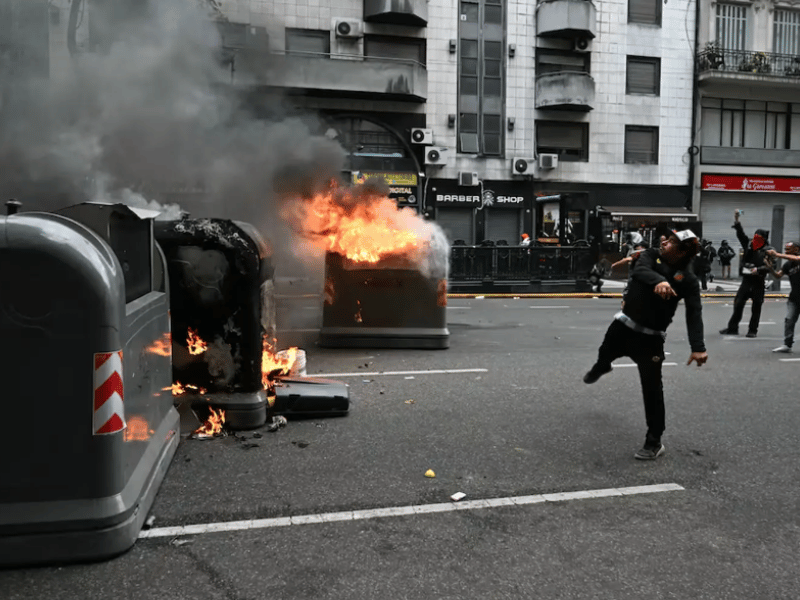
point(385, 304)
point(222, 310)
point(86, 368)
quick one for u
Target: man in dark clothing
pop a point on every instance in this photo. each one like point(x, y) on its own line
point(726, 254)
point(792, 269)
point(702, 264)
point(754, 275)
point(660, 279)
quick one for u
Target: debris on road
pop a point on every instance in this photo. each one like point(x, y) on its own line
point(458, 496)
point(430, 473)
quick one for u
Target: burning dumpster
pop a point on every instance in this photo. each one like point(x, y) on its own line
point(383, 304)
point(385, 268)
point(85, 356)
point(222, 310)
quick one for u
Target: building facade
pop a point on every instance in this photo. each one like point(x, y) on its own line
point(747, 141)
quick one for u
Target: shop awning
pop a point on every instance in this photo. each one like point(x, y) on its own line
point(647, 211)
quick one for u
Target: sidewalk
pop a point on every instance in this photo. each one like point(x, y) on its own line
point(719, 286)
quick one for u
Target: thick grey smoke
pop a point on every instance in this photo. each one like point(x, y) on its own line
point(150, 109)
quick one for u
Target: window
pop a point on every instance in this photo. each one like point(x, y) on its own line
point(731, 25)
point(647, 12)
point(643, 76)
point(481, 77)
point(786, 32)
point(308, 40)
point(560, 61)
point(731, 123)
point(641, 145)
point(384, 46)
point(569, 140)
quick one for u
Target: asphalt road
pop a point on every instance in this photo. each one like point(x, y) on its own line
point(527, 425)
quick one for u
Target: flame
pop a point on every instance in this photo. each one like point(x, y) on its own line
point(195, 344)
point(441, 293)
point(137, 430)
point(212, 426)
point(162, 346)
point(272, 365)
point(178, 388)
point(358, 223)
point(359, 318)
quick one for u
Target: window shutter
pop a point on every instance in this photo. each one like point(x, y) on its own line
point(644, 11)
point(643, 75)
point(641, 145)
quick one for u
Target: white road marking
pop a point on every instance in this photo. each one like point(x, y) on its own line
point(459, 308)
point(400, 511)
point(548, 307)
point(430, 372)
point(789, 359)
point(666, 364)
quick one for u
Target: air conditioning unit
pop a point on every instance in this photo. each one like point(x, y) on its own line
point(468, 179)
point(435, 157)
point(582, 44)
point(548, 161)
point(422, 136)
point(348, 28)
point(522, 166)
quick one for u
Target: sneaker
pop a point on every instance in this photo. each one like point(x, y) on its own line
point(751, 334)
point(784, 349)
point(727, 331)
point(595, 373)
point(649, 453)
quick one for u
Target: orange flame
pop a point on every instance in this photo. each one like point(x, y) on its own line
point(137, 430)
point(212, 426)
point(272, 365)
point(162, 346)
point(178, 388)
point(196, 345)
point(364, 229)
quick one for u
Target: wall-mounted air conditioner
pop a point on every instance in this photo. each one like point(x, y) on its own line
point(422, 136)
point(548, 161)
point(522, 166)
point(348, 28)
point(435, 157)
point(468, 179)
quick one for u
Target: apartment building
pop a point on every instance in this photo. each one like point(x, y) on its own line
point(471, 109)
point(747, 140)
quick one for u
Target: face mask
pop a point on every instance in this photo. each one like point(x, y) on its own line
point(758, 242)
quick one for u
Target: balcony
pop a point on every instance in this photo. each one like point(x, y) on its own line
point(718, 65)
point(566, 19)
point(337, 75)
point(397, 12)
point(565, 90)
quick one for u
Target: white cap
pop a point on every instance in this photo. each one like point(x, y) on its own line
point(686, 234)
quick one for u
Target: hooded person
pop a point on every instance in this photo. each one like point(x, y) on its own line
point(755, 268)
point(725, 254)
point(660, 278)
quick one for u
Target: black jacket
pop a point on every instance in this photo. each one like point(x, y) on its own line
point(753, 258)
point(648, 309)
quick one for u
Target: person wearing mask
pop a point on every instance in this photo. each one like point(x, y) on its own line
point(726, 254)
point(660, 279)
point(754, 275)
point(792, 269)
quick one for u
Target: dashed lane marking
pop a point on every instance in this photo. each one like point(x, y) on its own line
point(563, 306)
point(400, 511)
point(429, 372)
point(789, 359)
point(666, 364)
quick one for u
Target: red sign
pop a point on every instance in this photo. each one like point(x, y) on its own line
point(739, 183)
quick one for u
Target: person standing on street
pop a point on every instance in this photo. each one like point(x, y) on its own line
point(660, 279)
point(702, 265)
point(754, 275)
point(792, 269)
point(726, 254)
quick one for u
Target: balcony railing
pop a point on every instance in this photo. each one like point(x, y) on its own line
point(498, 264)
point(748, 62)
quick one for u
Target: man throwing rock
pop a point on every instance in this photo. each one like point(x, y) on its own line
point(660, 279)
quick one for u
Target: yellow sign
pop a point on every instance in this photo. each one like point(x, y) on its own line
point(390, 178)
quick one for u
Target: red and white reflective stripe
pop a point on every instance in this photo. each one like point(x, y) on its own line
point(109, 412)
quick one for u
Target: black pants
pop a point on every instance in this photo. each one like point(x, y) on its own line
point(752, 288)
point(647, 351)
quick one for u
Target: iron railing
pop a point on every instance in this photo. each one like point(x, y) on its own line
point(746, 61)
point(519, 263)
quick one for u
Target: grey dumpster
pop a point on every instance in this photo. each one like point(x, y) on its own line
point(85, 363)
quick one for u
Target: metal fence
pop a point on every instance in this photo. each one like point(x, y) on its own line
point(746, 61)
point(519, 263)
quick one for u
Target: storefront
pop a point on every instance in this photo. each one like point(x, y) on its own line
point(771, 203)
point(495, 211)
point(403, 186)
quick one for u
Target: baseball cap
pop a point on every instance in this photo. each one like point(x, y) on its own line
point(686, 234)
